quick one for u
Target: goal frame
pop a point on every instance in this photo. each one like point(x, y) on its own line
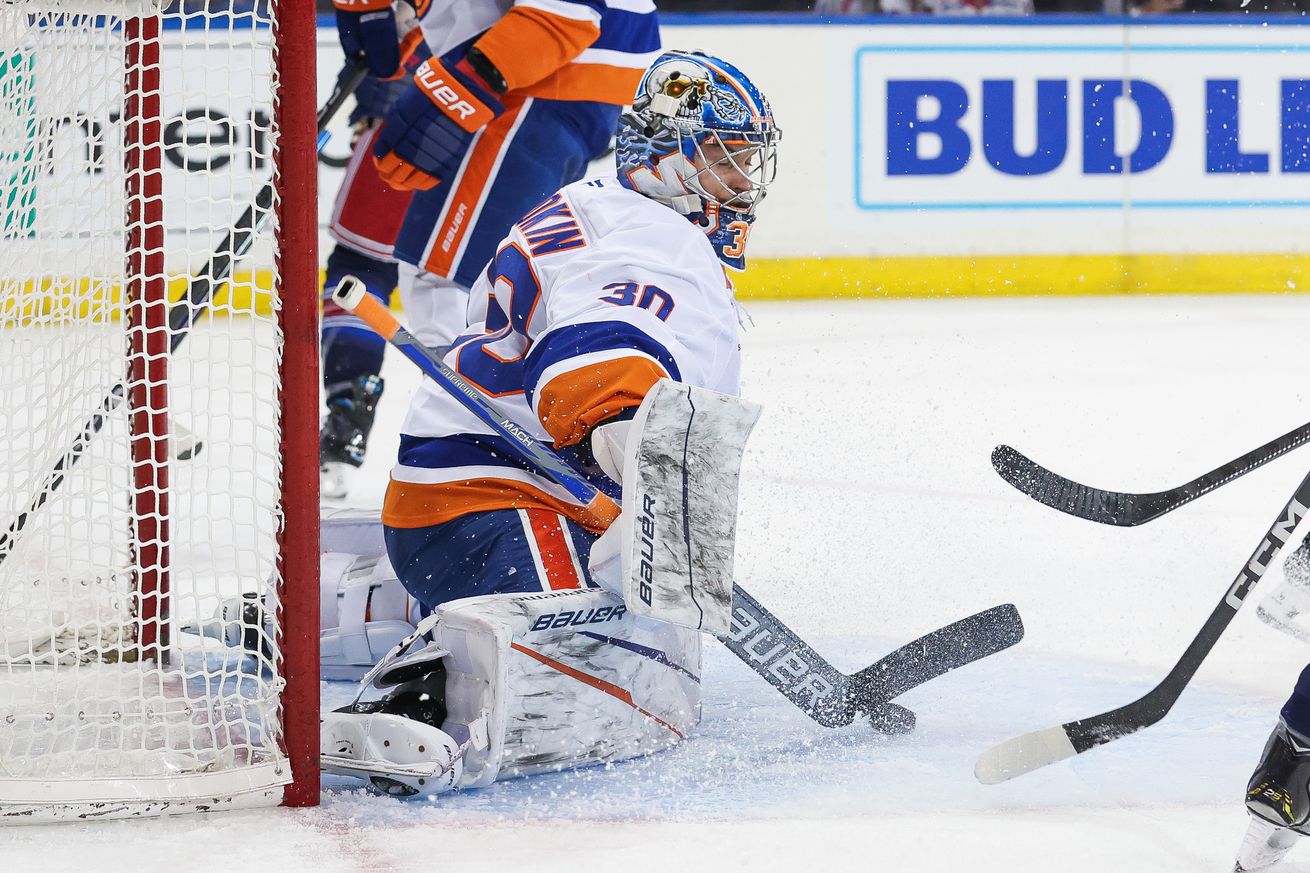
point(295, 175)
point(147, 312)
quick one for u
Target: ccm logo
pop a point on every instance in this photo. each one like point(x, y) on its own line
point(450, 96)
point(1277, 538)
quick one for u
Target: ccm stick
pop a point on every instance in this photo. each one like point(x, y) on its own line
point(758, 638)
point(181, 316)
point(1029, 752)
point(1125, 508)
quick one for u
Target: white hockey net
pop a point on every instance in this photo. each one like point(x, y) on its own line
point(118, 538)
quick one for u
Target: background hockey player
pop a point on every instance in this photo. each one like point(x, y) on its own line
point(540, 85)
point(366, 217)
point(598, 293)
point(1278, 793)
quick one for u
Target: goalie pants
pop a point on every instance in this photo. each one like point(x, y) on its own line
point(499, 551)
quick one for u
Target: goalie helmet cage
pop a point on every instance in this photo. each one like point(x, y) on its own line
point(133, 133)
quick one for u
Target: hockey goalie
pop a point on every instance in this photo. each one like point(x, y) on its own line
point(517, 632)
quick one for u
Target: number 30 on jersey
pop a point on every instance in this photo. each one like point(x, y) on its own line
point(650, 297)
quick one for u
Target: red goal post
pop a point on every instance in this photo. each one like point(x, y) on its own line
point(114, 543)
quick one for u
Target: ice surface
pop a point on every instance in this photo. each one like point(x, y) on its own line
point(870, 515)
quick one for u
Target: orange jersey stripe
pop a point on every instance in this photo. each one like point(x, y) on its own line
point(572, 403)
point(527, 45)
point(411, 505)
point(556, 558)
point(601, 83)
point(594, 681)
point(458, 214)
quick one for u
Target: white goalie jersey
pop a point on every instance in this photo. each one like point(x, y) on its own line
point(595, 295)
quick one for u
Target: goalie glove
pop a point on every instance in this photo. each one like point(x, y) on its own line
point(431, 126)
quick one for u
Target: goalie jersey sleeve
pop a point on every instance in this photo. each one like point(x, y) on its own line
point(593, 297)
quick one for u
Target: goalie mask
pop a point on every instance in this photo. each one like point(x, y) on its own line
point(700, 139)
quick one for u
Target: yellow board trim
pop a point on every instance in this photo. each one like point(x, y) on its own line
point(67, 300)
point(1021, 275)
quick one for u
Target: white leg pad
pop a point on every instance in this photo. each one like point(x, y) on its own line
point(371, 615)
point(363, 609)
point(551, 681)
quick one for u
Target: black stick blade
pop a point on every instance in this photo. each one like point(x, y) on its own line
point(1117, 508)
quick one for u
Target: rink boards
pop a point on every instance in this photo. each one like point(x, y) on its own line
point(1013, 156)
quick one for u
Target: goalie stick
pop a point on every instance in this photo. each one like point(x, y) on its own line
point(1125, 508)
point(1031, 751)
point(757, 637)
point(181, 316)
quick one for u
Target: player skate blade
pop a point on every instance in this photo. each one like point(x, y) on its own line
point(1021, 755)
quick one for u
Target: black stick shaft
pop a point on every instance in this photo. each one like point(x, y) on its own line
point(1155, 704)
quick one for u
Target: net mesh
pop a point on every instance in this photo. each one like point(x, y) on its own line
point(119, 540)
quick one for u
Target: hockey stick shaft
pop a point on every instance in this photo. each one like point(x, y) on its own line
point(758, 637)
point(1031, 751)
point(182, 314)
point(351, 295)
point(1126, 508)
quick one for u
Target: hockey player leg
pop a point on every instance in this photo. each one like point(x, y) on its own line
point(519, 684)
point(352, 360)
point(1278, 800)
point(1278, 794)
point(366, 218)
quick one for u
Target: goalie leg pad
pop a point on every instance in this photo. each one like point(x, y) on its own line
point(363, 608)
point(556, 680)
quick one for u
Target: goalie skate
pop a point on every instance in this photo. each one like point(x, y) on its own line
point(397, 755)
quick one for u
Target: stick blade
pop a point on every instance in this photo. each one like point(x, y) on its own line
point(1116, 508)
point(947, 648)
point(1023, 754)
